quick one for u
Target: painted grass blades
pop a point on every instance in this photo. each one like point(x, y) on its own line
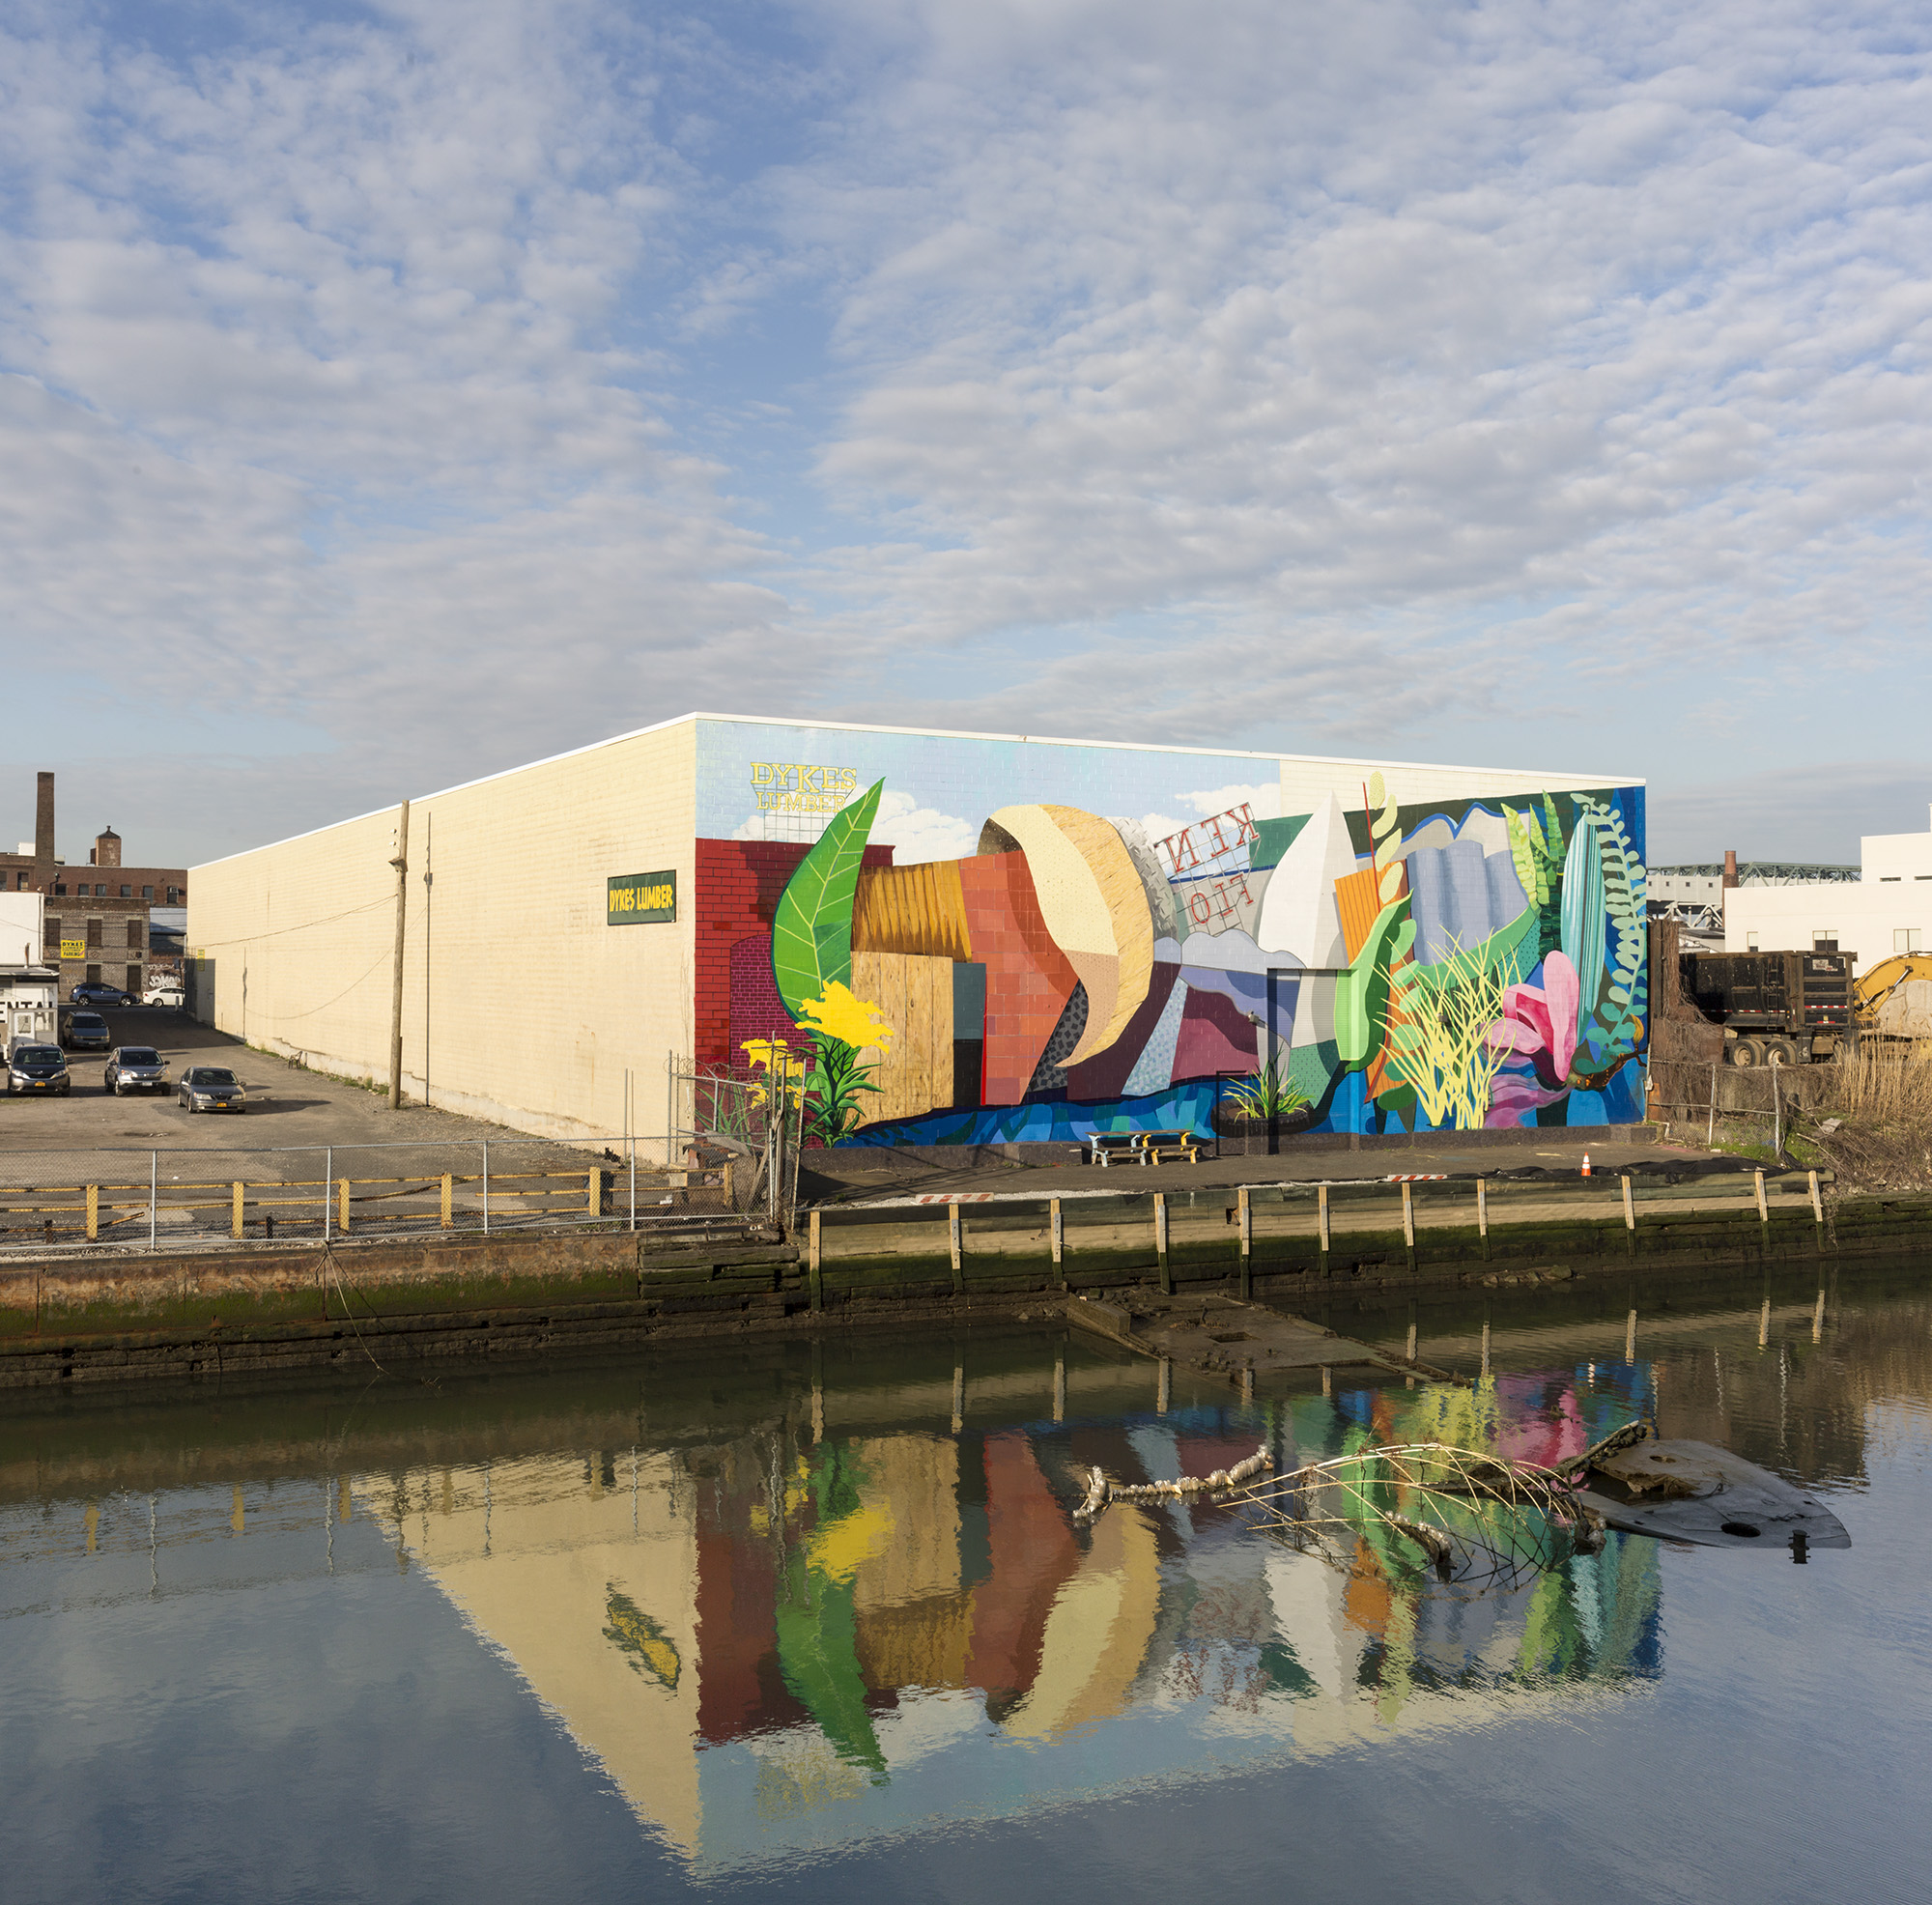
point(811, 925)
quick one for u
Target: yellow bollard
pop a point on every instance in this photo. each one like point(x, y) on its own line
point(236, 1219)
point(448, 1198)
point(591, 1208)
point(342, 1206)
point(93, 1213)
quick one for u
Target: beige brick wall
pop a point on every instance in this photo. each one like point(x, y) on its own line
point(519, 1001)
point(1305, 782)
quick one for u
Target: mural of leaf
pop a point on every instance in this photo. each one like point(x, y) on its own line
point(811, 925)
point(1361, 995)
point(1620, 1008)
point(1523, 854)
point(1583, 915)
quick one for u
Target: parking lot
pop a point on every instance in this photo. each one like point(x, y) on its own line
point(310, 1158)
point(286, 1104)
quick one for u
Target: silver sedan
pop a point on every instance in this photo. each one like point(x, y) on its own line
point(210, 1088)
point(135, 1068)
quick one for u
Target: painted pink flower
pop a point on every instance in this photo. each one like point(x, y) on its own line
point(1515, 1092)
point(1539, 1022)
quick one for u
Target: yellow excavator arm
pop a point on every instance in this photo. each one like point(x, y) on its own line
point(1886, 980)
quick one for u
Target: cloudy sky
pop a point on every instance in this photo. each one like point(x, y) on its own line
point(393, 393)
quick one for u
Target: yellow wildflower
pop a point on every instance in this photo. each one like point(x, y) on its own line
point(852, 1021)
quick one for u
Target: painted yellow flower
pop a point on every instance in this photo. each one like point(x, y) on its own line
point(782, 1067)
point(852, 1021)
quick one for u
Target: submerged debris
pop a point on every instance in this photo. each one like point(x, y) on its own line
point(1475, 1516)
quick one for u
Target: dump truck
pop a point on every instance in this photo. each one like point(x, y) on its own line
point(1776, 1008)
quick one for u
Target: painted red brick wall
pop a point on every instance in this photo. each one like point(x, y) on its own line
point(738, 886)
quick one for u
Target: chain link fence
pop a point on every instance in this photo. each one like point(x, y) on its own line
point(750, 1115)
point(157, 1200)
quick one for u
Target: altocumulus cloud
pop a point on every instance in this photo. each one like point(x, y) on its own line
point(1535, 382)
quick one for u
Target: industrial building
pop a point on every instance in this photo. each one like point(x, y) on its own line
point(1886, 909)
point(1042, 937)
point(95, 919)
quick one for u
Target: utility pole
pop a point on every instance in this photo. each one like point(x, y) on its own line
point(401, 863)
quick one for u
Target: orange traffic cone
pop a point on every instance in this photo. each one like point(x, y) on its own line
point(1586, 1164)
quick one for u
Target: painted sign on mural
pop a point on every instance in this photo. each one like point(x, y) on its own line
point(1363, 965)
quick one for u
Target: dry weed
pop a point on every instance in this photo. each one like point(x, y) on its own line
point(1882, 1096)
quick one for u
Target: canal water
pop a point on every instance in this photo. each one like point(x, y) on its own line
point(815, 1622)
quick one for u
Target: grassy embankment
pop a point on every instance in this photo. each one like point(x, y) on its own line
point(1874, 1126)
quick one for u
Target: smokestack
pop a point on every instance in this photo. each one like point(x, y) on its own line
point(1730, 867)
point(44, 832)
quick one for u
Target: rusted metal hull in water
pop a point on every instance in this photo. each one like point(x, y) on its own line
point(1693, 1491)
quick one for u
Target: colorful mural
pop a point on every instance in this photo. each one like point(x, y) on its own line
point(1362, 965)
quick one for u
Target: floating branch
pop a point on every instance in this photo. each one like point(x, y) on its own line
point(1222, 1481)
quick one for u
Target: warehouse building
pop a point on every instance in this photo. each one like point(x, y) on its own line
point(1039, 937)
point(1886, 909)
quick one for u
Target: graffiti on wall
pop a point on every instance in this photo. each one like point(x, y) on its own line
point(1365, 966)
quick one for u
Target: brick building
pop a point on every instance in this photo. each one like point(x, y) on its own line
point(98, 920)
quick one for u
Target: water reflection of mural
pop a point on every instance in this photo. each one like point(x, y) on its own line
point(1038, 968)
point(778, 1644)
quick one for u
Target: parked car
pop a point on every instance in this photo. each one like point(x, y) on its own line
point(85, 1032)
point(210, 1088)
point(90, 992)
point(135, 1068)
point(41, 1069)
point(170, 996)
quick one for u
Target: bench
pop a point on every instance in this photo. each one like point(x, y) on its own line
point(1144, 1146)
point(1158, 1147)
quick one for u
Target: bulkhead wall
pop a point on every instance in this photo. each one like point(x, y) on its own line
point(522, 1001)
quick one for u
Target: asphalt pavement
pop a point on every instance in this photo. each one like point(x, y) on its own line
point(287, 1105)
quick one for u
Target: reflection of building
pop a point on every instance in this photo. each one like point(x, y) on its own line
point(773, 1649)
point(582, 1571)
point(1061, 936)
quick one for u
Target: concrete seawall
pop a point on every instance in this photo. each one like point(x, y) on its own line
point(120, 1317)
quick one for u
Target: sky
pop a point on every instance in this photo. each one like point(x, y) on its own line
point(391, 394)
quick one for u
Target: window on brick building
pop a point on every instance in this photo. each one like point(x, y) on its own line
point(51, 937)
point(60, 891)
point(147, 893)
point(100, 889)
point(94, 933)
point(134, 936)
point(127, 893)
point(135, 979)
point(173, 900)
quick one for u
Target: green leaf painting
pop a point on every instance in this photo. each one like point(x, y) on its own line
point(1618, 1008)
point(811, 925)
point(1583, 911)
point(1362, 992)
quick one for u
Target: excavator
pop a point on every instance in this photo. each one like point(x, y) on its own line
point(1895, 999)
